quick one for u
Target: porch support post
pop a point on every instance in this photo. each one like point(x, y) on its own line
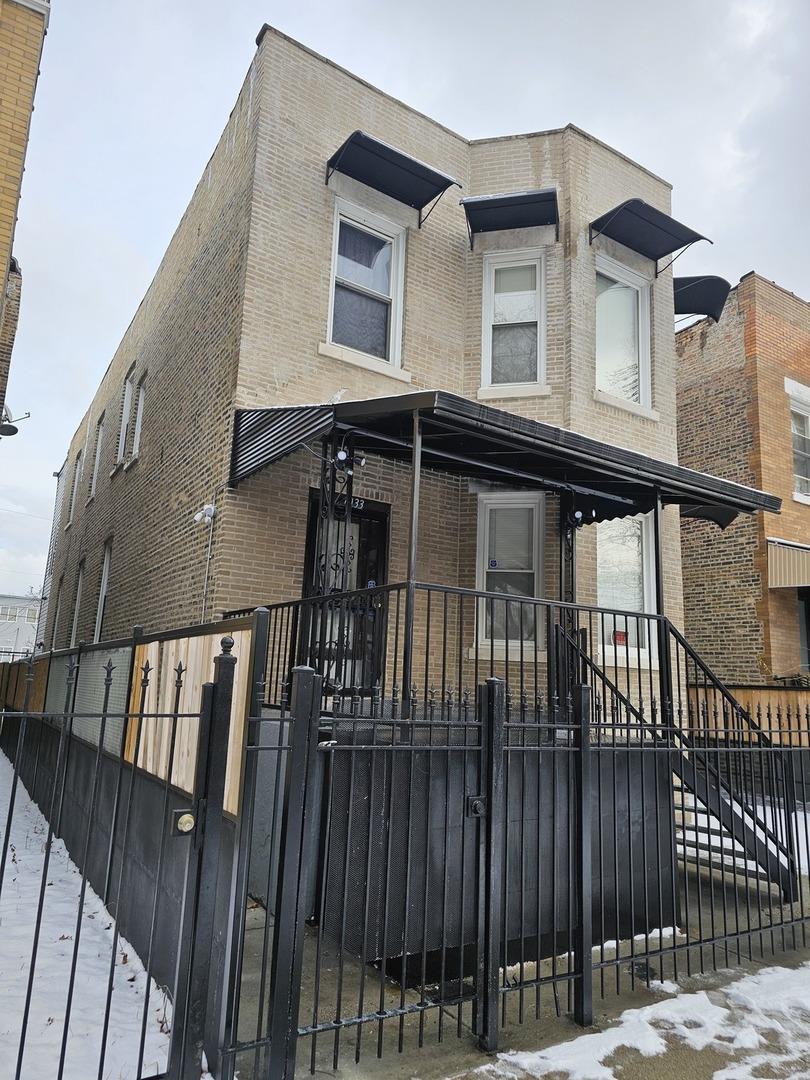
point(664, 659)
point(568, 562)
point(413, 546)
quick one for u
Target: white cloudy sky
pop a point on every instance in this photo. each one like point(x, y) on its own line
point(714, 95)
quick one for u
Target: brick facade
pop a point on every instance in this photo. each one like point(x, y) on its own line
point(237, 317)
point(734, 420)
point(22, 30)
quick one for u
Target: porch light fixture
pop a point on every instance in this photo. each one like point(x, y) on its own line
point(206, 514)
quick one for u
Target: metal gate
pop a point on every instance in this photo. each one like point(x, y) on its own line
point(104, 877)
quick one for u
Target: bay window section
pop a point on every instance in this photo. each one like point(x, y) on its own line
point(622, 332)
point(509, 563)
point(367, 287)
point(513, 320)
point(623, 581)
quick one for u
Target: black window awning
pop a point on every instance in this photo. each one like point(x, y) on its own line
point(644, 229)
point(701, 296)
point(515, 210)
point(390, 171)
point(466, 438)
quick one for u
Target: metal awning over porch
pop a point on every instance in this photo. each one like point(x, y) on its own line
point(465, 438)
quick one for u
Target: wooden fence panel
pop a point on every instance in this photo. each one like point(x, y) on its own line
point(196, 653)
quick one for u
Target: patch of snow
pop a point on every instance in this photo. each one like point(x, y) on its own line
point(18, 906)
point(761, 1021)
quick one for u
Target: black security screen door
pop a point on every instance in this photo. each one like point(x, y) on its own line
point(355, 636)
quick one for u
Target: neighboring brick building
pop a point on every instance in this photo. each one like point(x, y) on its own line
point(744, 413)
point(23, 24)
point(249, 307)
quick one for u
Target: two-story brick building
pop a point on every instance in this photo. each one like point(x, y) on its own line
point(744, 413)
point(315, 264)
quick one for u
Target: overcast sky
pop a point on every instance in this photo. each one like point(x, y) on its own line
point(714, 95)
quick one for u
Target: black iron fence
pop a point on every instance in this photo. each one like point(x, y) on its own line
point(455, 812)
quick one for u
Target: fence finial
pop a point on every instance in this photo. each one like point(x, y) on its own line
point(227, 644)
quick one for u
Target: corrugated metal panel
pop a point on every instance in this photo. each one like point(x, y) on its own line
point(788, 566)
point(265, 435)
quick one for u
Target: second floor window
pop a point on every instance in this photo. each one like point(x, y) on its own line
point(800, 428)
point(513, 319)
point(77, 475)
point(622, 332)
point(366, 302)
point(97, 456)
point(126, 416)
point(136, 432)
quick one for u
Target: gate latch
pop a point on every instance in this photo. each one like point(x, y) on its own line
point(183, 822)
point(476, 806)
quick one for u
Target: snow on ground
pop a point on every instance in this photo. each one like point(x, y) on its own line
point(761, 1022)
point(18, 905)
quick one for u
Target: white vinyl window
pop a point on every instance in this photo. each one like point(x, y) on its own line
point(74, 630)
point(102, 592)
point(624, 548)
point(136, 434)
point(126, 416)
point(97, 455)
point(365, 311)
point(513, 319)
point(510, 535)
point(57, 613)
point(622, 332)
point(800, 432)
point(77, 475)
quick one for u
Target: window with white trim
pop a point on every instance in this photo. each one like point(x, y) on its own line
point(513, 319)
point(77, 475)
point(136, 434)
point(97, 455)
point(77, 604)
point(800, 433)
point(510, 546)
point(624, 581)
point(622, 332)
point(102, 592)
point(365, 310)
point(126, 415)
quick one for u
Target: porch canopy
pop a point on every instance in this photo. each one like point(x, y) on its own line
point(465, 438)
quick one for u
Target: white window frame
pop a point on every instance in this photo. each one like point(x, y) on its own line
point(139, 405)
point(77, 603)
point(74, 491)
point(386, 230)
point(57, 612)
point(126, 414)
point(618, 272)
point(799, 397)
point(534, 500)
point(97, 455)
point(497, 261)
point(102, 591)
point(645, 657)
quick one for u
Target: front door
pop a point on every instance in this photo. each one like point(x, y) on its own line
point(352, 653)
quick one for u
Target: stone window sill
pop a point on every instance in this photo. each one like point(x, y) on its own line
point(513, 390)
point(119, 465)
point(130, 462)
point(628, 406)
point(90, 499)
point(367, 363)
point(800, 497)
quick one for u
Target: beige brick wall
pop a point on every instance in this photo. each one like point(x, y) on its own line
point(239, 308)
point(184, 340)
point(734, 420)
point(22, 30)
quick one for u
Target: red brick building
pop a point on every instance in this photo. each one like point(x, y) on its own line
point(744, 413)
